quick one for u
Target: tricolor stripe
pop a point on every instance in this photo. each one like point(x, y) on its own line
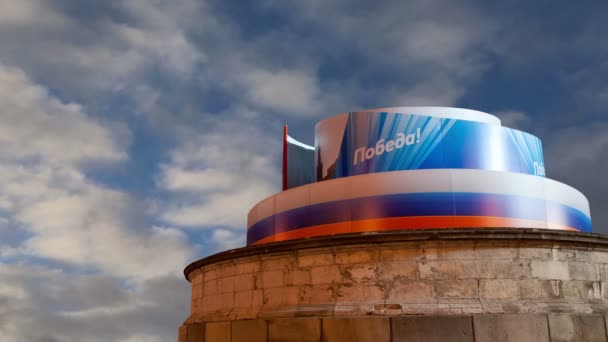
point(418, 210)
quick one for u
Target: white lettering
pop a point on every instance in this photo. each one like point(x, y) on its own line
point(362, 153)
point(380, 147)
point(410, 139)
point(362, 150)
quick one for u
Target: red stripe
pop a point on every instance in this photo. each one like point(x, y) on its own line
point(415, 222)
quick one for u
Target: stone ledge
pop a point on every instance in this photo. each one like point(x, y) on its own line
point(465, 234)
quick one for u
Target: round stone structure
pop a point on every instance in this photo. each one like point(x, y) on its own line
point(411, 285)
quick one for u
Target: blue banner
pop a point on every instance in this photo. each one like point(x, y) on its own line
point(381, 141)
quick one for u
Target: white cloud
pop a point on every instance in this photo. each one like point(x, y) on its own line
point(68, 217)
point(216, 177)
point(28, 12)
point(36, 125)
point(283, 91)
point(227, 239)
point(44, 304)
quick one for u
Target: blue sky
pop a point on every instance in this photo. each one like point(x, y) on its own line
point(136, 134)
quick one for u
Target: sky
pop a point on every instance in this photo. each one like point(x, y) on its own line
point(136, 134)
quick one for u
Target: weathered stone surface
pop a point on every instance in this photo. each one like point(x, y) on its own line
point(294, 330)
point(356, 329)
point(246, 266)
point(281, 296)
point(308, 259)
point(356, 257)
point(432, 329)
point(297, 277)
point(325, 274)
point(249, 330)
point(501, 269)
point(282, 262)
point(460, 251)
point(491, 251)
point(466, 288)
point(570, 328)
point(244, 282)
point(196, 333)
point(510, 328)
point(550, 270)
point(401, 254)
point(182, 334)
point(583, 271)
point(410, 289)
point(217, 332)
point(499, 289)
point(444, 269)
point(272, 279)
point(407, 277)
point(398, 270)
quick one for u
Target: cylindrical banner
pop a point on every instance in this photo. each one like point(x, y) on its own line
point(367, 142)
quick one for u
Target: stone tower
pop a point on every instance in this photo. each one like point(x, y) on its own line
point(434, 224)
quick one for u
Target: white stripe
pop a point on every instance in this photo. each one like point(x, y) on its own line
point(420, 181)
point(297, 143)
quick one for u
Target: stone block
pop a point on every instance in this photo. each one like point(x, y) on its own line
point(196, 333)
point(297, 277)
point(570, 328)
point(432, 329)
point(356, 257)
point(244, 282)
point(294, 330)
point(398, 270)
point(248, 267)
point(460, 251)
point(272, 279)
point(499, 289)
point(227, 284)
point(501, 269)
point(535, 253)
point(466, 288)
point(411, 289)
point(531, 288)
point(243, 299)
point(361, 272)
point(448, 269)
point(279, 263)
point(226, 270)
point(281, 296)
point(356, 329)
point(325, 274)
point(209, 274)
point(578, 290)
point(360, 294)
point(318, 294)
point(401, 254)
point(196, 277)
point(307, 260)
point(510, 328)
point(217, 332)
point(497, 252)
point(583, 271)
point(249, 330)
point(182, 333)
point(599, 256)
point(542, 269)
point(211, 287)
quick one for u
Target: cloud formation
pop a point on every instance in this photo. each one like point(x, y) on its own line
point(135, 136)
